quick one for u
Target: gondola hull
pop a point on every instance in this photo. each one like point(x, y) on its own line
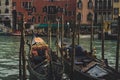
point(86, 66)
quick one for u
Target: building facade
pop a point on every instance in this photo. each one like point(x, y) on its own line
point(85, 11)
point(5, 12)
point(42, 11)
point(103, 8)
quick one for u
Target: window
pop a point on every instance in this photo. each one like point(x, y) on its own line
point(0, 2)
point(0, 20)
point(110, 4)
point(29, 13)
point(105, 4)
point(45, 9)
point(89, 17)
point(69, 13)
point(90, 4)
point(33, 9)
point(52, 10)
point(58, 9)
point(45, 19)
point(14, 4)
point(51, 0)
point(33, 19)
point(79, 17)
point(27, 5)
point(100, 4)
point(79, 4)
point(73, 13)
point(7, 2)
point(116, 11)
point(6, 10)
point(96, 4)
point(38, 18)
point(116, 0)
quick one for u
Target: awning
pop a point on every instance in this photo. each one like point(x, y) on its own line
point(46, 25)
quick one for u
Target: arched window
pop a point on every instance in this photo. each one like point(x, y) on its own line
point(45, 9)
point(90, 4)
point(7, 2)
point(6, 10)
point(33, 9)
point(79, 4)
point(89, 17)
point(45, 19)
point(33, 19)
point(38, 18)
point(58, 9)
point(79, 16)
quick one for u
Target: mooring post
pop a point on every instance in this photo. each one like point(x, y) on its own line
point(20, 53)
point(73, 54)
point(22, 56)
point(118, 44)
point(102, 35)
point(91, 35)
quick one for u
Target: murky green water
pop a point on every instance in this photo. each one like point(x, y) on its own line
point(9, 51)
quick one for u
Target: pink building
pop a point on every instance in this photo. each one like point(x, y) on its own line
point(84, 11)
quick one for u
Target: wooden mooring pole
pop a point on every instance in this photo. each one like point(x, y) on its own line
point(73, 54)
point(91, 38)
point(22, 56)
point(118, 44)
point(102, 33)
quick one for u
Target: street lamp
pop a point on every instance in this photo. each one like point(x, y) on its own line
point(68, 24)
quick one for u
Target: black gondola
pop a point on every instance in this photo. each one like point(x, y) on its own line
point(40, 64)
point(86, 65)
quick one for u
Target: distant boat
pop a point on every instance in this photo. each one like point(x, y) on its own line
point(17, 33)
point(41, 65)
point(86, 65)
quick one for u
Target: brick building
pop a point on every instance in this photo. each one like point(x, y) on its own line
point(42, 11)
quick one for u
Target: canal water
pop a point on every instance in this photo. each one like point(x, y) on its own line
point(9, 51)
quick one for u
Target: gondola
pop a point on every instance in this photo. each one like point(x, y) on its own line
point(42, 61)
point(86, 65)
